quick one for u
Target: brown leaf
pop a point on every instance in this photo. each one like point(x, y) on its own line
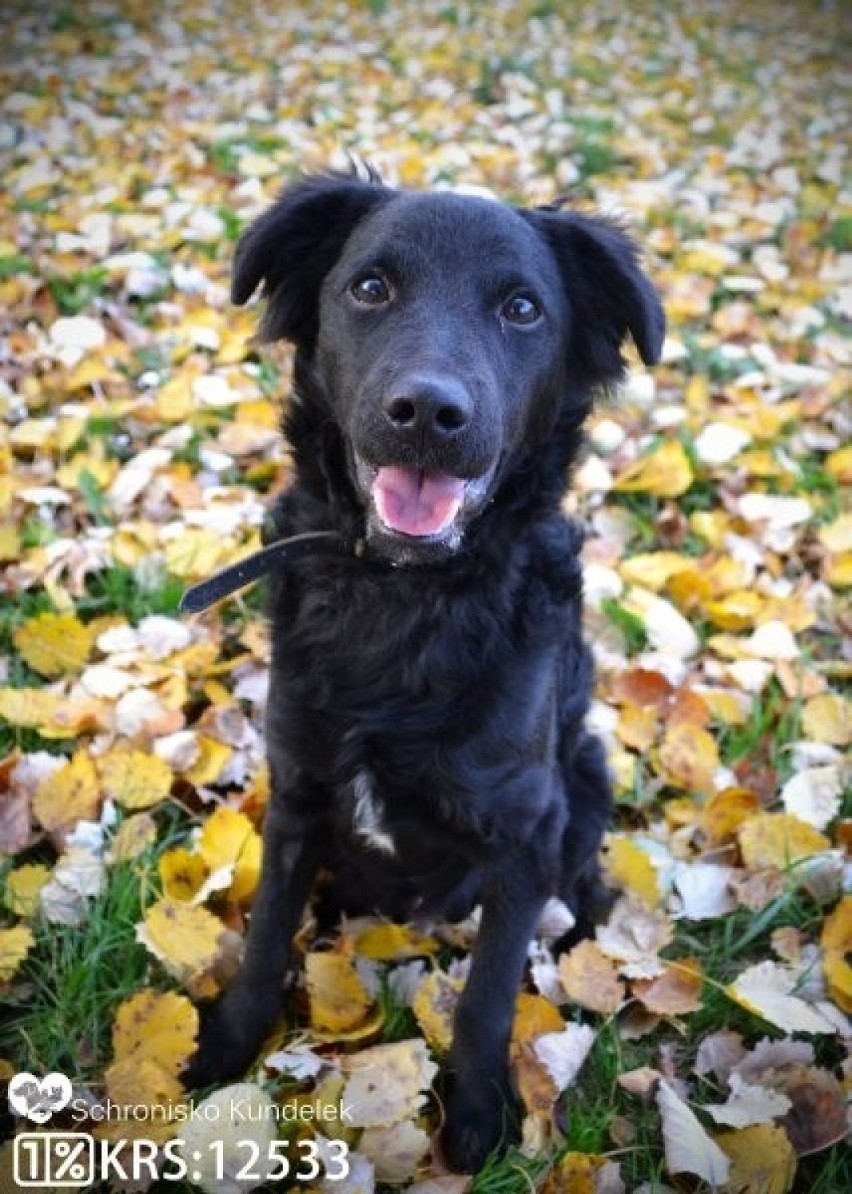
point(591, 979)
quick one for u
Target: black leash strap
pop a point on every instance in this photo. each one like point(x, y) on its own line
point(259, 563)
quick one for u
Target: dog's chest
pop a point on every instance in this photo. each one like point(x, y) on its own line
point(367, 814)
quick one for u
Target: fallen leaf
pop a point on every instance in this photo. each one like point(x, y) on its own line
point(182, 873)
point(534, 1016)
point(828, 718)
point(217, 1137)
point(15, 944)
point(762, 1160)
point(676, 992)
point(748, 1105)
point(590, 979)
point(69, 795)
point(562, 1053)
point(187, 940)
point(23, 887)
point(229, 839)
point(776, 840)
point(689, 757)
point(387, 1084)
point(53, 644)
point(817, 1117)
point(134, 779)
point(813, 795)
point(688, 1148)
point(396, 1152)
point(630, 868)
point(434, 1004)
point(663, 472)
point(387, 942)
point(338, 999)
point(768, 990)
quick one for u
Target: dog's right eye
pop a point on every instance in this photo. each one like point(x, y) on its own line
point(372, 289)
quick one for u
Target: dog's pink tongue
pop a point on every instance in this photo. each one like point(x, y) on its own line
point(416, 503)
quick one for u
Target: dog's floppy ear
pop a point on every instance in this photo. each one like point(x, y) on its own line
point(608, 294)
point(293, 245)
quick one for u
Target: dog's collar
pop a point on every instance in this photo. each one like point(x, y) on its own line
point(246, 571)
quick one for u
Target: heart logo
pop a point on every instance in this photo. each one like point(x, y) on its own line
point(38, 1100)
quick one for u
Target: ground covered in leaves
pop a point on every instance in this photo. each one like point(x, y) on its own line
point(700, 1042)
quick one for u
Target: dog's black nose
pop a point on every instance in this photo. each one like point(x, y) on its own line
point(426, 409)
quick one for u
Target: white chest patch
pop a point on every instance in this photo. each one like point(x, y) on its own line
point(367, 815)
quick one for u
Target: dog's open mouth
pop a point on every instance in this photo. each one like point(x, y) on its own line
point(413, 502)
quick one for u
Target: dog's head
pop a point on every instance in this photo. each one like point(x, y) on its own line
point(446, 334)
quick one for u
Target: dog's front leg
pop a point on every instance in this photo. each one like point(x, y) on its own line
point(479, 1102)
point(234, 1028)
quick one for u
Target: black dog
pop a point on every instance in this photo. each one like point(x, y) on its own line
point(429, 681)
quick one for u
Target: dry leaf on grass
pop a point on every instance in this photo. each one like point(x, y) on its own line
point(15, 944)
point(386, 1083)
point(689, 1149)
point(215, 1137)
point(590, 979)
point(338, 999)
point(762, 1160)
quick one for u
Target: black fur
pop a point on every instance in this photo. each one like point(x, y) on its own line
point(449, 674)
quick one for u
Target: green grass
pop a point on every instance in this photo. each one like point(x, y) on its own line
point(774, 722)
point(75, 978)
point(630, 625)
point(117, 588)
point(74, 292)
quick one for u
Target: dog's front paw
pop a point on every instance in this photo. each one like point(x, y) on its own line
point(229, 1039)
point(475, 1126)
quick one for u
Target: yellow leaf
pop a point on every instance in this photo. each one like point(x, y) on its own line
point(136, 1082)
point(638, 726)
point(828, 718)
point(23, 886)
point(10, 542)
point(763, 1161)
point(534, 1016)
point(838, 572)
point(726, 811)
point(836, 536)
point(777, 840)
point(576, 1172)
point(731, 708)
point(15, 944)
point(186, 939)
point(53, 644)
point(590, 979)
point(689, 757)
point(195, 553)
point(434, 1005)
point(133, 778)
point(838, 464)
point(132, 838)
point(837, 929)
point(837, 946)
point(158, 1024)
point(664, 472)
point(838, 977)
point(385, 942)
point(229, 838)
point(630, 868)
point(52, 715)
point(181, 873)
point(212, 757)
point(737, 611)
point(654, 569)
point(69, 795)
point(338, 999)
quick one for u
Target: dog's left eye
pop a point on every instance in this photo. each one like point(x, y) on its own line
point(371, 289)
point(521, 308)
